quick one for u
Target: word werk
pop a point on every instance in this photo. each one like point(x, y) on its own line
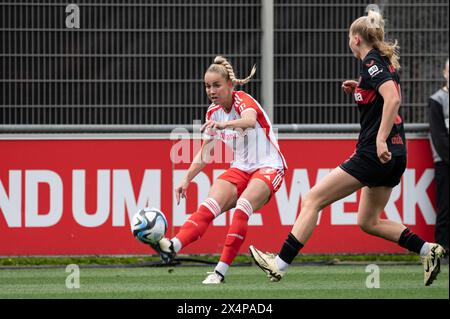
point(38, 198)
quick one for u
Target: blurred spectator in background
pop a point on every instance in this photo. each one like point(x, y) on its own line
point(438, 115)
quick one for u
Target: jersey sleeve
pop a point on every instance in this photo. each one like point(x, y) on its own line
point(247, 104)
point(375, 72)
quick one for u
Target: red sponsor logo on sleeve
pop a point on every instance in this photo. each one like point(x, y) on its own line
point(371, 63)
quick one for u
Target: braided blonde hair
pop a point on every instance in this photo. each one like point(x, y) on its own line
point(224, 68)
point(371, 29)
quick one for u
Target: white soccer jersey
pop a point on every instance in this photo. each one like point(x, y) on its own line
point(253, 148)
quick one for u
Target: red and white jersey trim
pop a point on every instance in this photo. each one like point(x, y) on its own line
point(247, 156)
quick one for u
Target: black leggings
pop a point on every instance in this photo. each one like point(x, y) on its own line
point(441, 176)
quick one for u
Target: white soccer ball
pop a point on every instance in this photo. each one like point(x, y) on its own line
point(149, 225)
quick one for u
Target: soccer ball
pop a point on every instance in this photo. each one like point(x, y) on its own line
point(149, 225)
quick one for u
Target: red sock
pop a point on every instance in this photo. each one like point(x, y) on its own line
point(235, 237)
point(196, 225)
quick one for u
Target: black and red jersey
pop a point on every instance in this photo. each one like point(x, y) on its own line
point(375, 70)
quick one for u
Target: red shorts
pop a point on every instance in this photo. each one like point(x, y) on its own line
point(271, 176)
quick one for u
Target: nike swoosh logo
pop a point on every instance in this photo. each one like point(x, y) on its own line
point(269, 270)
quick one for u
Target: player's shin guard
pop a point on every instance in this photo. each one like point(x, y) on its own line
point(196, 225)
point(237, 232)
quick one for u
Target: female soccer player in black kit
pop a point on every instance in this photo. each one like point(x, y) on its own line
point(377, 164)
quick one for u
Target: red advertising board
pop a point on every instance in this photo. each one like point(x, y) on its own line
point(76, 197)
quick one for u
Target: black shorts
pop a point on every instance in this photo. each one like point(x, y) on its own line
point(367, 168)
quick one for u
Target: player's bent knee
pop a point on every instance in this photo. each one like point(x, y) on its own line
point(310, 203)
point(367, 226)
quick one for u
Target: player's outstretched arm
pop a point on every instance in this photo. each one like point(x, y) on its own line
point(247, 120)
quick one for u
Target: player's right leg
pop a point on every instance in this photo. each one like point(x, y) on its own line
point(336, 185)
point(371, 205)
point(255, 195)
point(222, 196)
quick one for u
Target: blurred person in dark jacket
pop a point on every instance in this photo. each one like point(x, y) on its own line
point(438, 115)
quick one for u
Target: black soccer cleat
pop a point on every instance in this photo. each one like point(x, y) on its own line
point(165, 249)
point(432, 263)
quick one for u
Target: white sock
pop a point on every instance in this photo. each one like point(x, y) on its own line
point(222, 268)
point(282, 265)
point(425, 249)
point(176, 244)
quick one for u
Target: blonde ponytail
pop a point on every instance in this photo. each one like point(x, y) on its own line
point(371, 29)
point(375, 20)
point(223, 67)
point(390, 50)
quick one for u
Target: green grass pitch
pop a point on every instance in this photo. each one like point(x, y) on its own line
point(301, 282)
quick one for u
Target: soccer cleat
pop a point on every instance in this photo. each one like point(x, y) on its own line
point(213, 278)
point(267, 263)
point(165, 249)
point(432, 263)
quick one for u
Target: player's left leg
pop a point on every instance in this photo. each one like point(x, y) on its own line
point(372, 203)
point(253, 198)
point(336, 185)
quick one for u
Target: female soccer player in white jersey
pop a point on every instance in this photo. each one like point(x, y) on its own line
point(257, 170)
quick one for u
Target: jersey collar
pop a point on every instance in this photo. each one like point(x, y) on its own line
point(233, 102)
